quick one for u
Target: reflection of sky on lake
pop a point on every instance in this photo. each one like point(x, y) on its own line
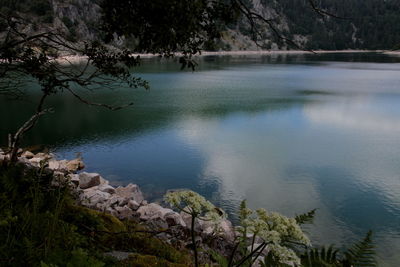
point(288, 136)
point(341, 157)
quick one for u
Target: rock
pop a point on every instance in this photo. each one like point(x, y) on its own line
point(54, 165)
point(152, 211)
point(75, 165)
point(87, 180)
point(103, 181)
point(4, 158)
point(91, 197)
point(132, 204)
point(43, 156)
point(131, 192)
point(111, 211)
point(28, 155)
point(106, 188)
point(113, 201)
point(173, 218)
point(223, 229)
point(227, 230)
point(209, 230)
point(157, 223)
point(24, 160)
point(60, 165)
point(198, 225)
point(74, 178)
point(102, 206)
point(117, 201)
point(36, 161)
point(124, 212)
point(89, 192)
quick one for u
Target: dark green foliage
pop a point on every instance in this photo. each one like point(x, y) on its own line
point(166, 26)
point(368, 24)
point(324, 257)
point(361, 253)
point(41, 226)
point(33, 227)
point(305, 218)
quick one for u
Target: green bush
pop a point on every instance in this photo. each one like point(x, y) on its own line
point(41, 226)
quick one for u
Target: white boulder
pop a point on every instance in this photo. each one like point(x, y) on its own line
point(58, 165)
point(152, 211)
point(132, 204)
point(106, 188)
point(28, 155)
point(174, 218)
point(130, 192)
point(92, 197)
point(87, 180)
point(75, 165)
point(74, 178)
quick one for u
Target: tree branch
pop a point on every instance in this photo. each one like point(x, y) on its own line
point(113, 108)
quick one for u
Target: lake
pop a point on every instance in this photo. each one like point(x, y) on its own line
point(289, 133)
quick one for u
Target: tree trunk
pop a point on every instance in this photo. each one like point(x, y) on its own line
point(14, 140)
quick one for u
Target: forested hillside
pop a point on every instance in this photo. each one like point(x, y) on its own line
point(366, 24)
point(361, 24)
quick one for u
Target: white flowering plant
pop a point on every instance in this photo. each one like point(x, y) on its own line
point(197, 207)
point(274, 231)
point(192, 203)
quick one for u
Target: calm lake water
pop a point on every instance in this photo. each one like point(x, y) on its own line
point(287, 133)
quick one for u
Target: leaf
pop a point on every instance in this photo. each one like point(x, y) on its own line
point(321, 257)
point(361, 253)
point(306, 218)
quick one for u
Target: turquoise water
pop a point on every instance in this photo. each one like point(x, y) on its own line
point(287, 133)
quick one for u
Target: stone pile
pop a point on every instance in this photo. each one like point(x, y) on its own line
point(128, 202)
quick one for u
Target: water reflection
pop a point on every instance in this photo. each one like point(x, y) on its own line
point(288, 133)
point(352, 181)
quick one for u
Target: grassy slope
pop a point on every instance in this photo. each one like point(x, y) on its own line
point(41, 226)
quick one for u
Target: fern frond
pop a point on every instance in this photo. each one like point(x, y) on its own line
point(305, 218)
point(361, 253)
point(321, 257)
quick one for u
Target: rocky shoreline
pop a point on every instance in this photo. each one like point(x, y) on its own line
point(75, 59)
point(128, 203)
